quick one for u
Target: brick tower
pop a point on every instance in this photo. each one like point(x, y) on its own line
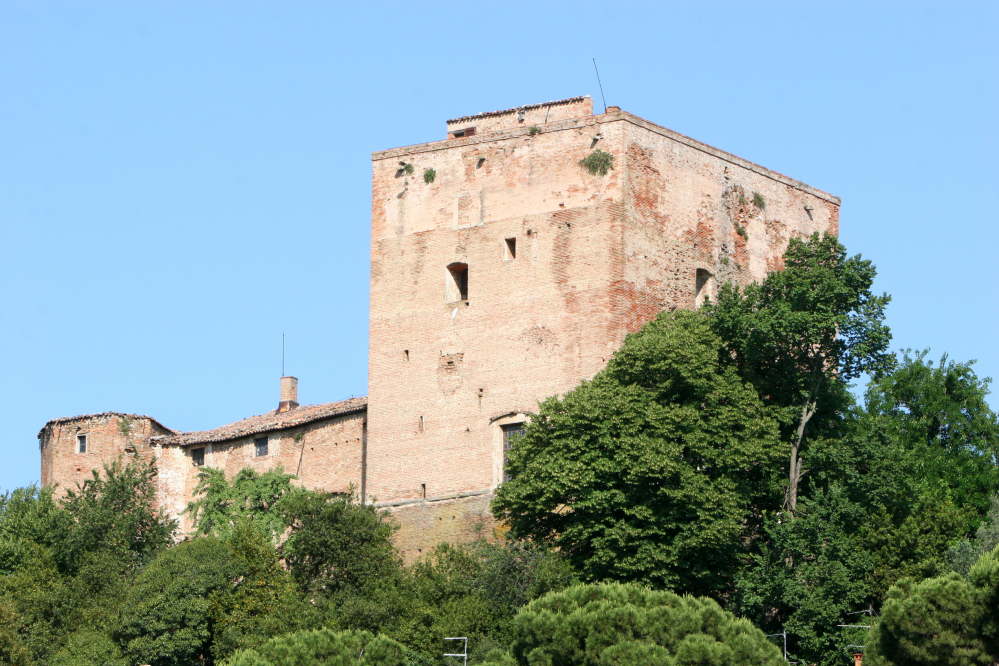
point(503, 272)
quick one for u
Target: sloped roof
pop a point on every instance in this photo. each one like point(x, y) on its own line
point(529, 107)
point(268, 422)
point(87, 417)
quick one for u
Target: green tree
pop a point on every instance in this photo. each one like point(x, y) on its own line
point(474, 591)
point(12, 649)
point(264, 601)
point(166, 618)
point(115, 510)
point(221, 505)
point(966, 552)
point(806, 575)
point(627, 624)
point(657, 470)
point(88, 647)
point(324, 647)
point(802, 334)
point(337, 545)
point(936, 621)
point(29, 517)
point(67, 564)
point(939, 415)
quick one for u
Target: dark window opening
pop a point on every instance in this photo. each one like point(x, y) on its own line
point(511, 248)
point(198, 457)
point(458, 287)
point(702, 288)
point(81, 443)
point(405, 353)
point(511, 433)
point(423, 491)
point(468, 131)
point(260, 444)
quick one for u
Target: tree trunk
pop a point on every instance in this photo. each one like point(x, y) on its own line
point(794, 469)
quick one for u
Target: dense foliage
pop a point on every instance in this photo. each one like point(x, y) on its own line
point(326, 648)
point(625, 624)
point(841, 501)
point(719, 474)
point(657, 470)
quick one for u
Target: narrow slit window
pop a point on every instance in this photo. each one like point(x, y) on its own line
point(511, 249)
point(405, 355)
point(198, 457)
point(81, 443)
point(457, 286)
point(511, 433)
point(260, 446)
point(423, 491)
point(703, 287)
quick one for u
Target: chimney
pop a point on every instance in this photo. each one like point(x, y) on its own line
point(289, 394)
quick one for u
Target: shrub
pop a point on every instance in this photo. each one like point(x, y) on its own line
point(324, 647)
point(429, 176)
point(598, 163)
point(628, 624)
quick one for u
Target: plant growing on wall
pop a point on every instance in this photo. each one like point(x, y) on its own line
point(534, 129)
point(759, 201)
point(598, 163)
point(405, 168)
point(429, 175)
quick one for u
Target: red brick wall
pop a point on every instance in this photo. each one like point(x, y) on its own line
point(109, 437)
point(328, 455)
point(597, 257)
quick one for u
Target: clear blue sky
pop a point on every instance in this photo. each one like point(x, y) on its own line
point(181, 183)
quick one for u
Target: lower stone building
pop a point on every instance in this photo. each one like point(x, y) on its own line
point(509, 260)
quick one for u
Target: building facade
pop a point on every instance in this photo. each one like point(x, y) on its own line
point(508, 262)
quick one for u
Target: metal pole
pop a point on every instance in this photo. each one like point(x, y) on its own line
point(463, 655)
point(600, 84)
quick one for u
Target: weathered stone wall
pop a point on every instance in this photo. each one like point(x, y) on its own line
point(110, 436)
point(561, 266)
point(324, 455)
point(596, 257)
point(424, 525)
point(689, 206)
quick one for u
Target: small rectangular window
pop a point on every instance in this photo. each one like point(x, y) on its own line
point(260, 443)
point(511, 433)
point(511, 248)
point(198, 457)
point(81, 443)
point(468, 131)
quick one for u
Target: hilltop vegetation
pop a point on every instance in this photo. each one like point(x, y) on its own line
point(717, 482)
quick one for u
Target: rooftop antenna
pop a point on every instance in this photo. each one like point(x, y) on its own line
point(282, 354)
point(600, 84)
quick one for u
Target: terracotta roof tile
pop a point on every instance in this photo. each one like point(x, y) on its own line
point(87, 417)
point(486, 114)
point(267, 422)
